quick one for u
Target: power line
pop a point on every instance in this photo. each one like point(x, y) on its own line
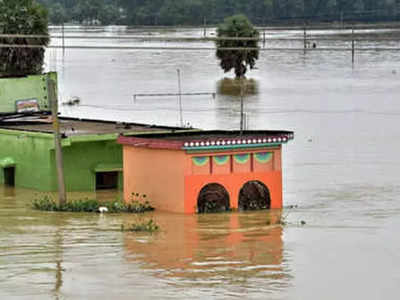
point(149, 38)
point(125, 107)
point(174, 94)
point(202, 48)
point(200, 39)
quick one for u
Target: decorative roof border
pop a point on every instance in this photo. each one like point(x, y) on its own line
point(244, 142)
point(207, 143)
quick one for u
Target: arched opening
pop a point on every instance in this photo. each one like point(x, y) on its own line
point(213, 198)
point(254, 195)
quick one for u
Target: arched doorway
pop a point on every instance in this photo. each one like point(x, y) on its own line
point(213, 198)
point(254, 195)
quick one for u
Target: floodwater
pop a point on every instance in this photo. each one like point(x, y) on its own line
point(340, 174)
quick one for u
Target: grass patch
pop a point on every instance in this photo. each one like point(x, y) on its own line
point(47, 203)
point(141, 225)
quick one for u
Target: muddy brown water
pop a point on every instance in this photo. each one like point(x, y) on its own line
point(86, 256)
point(340, 173)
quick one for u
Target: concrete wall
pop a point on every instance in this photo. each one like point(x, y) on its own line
point(158, 174)
point(173, 179)
point(30, 152)
point(23, 88)
point(82, 158)
point(233, 175)
point(33, 155)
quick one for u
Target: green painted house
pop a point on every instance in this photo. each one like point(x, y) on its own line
point(92, 158)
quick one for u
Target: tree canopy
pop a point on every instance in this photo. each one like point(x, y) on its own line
point(237, 26)
point(24, 17)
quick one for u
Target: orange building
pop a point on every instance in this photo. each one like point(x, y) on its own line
point(205, 171)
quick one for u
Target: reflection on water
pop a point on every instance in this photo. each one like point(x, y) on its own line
point(8, 192)
point(81, 256)
point(214, 249)
point(233, 87)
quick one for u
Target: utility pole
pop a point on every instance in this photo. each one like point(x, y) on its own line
point(52, 94)
point(205, 27)
point(241, 106)
point(180, 97)
point(63, 39)
point(341, 19)
point(264, 39)
point(352, 44)
point(305, 37)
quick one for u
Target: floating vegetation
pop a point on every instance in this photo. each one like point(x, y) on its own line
point(141, 225)
point(47, 203)
point(284, 222)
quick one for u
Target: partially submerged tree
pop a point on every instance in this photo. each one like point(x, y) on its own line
point(237, 27)
point(22, 17)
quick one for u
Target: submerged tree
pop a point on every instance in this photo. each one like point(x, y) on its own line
point(237, 27)
point(22, 17)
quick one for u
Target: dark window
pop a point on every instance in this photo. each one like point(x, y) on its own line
point(106, 180)
point(9, 176)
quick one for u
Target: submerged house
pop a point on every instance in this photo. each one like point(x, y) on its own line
point(189, 172)
point(175, 169)
point(92, 157)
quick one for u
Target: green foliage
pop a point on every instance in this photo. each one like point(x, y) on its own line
point(238, 60)
point(141, 225)
point(193, 12)
point(108, 15)
point(28, 18)
point(47, 203)
point(58, 14)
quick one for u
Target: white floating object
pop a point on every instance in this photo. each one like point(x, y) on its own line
point(103, 209)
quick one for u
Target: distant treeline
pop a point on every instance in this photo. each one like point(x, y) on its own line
point(198, 12)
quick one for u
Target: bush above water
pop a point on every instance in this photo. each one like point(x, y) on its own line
point(141, 225)
point(46, 203)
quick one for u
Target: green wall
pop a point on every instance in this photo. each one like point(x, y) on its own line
point(23, 88)
point(34, 159)
point(83, 158)
point(30, 153)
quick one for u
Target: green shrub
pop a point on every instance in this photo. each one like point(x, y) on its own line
point(46, 203)
point(141, 225)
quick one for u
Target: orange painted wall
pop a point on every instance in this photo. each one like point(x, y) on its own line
point(218, 168)
point(172, 182)
point(159, 174)
point(241, 167)
point(233, 181)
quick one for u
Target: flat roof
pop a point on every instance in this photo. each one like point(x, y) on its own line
point(80, 127)
point(214, 134)
point(210, 139)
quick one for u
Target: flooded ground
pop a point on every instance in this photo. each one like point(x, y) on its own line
point(340, 173)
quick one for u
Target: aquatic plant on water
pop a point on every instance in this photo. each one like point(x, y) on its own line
point(141, 225)
point(47, 203)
